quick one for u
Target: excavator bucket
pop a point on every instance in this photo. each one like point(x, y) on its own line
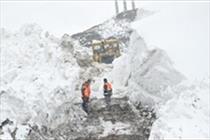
point(105, 51)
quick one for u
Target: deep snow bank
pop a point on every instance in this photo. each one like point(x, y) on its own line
point(186, 115)
point(148, 76)
point(35, 75)
point(144, 73)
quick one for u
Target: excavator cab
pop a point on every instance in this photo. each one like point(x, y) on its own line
point(105, 51)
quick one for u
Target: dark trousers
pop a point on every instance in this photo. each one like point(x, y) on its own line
point(85, 105)
point(107, 96)
point(108, 99)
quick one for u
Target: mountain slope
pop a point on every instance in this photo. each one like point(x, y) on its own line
point(118, 27)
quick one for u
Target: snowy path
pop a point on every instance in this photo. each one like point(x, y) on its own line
point(122, 121)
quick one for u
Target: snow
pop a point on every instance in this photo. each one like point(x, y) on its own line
point(116, 128)
point(35, 78)
point(120, 76)
point(186, 115)
point(113, 28)
point(144, 72)
point(182, 30)
point(183, 109)
point(40, 78)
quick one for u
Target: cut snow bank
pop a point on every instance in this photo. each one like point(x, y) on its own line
point(145, 73)
point(35, 76)
point(148, 76)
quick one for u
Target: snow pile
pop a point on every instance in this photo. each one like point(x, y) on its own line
point(185, 116)
point(145, 73)
point(148, 76)
point(36, 75)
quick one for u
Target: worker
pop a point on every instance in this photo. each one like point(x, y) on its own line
point(86, 91)
point(107, 92)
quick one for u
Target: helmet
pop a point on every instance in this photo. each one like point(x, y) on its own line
point(105, 80)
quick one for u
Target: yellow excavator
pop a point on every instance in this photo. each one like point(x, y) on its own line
point(105, 51)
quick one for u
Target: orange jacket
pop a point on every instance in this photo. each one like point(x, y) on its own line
point(107, 86)
point(86, 91)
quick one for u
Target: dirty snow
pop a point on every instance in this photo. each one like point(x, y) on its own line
point(116, 128)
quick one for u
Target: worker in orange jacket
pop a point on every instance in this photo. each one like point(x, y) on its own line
point(107, 92)
point(86, 91)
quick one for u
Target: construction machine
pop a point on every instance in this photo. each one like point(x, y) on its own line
point(105, 51)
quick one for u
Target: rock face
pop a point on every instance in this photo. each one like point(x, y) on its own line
point(122, 121)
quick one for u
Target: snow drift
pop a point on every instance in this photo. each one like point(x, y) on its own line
point(186, 115)
point(35, 76)
point(145, 73)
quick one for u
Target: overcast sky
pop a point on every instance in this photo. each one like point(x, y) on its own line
point(180, 28)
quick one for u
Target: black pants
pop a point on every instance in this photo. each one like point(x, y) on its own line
point(108, 99)
point(107, 96)
point(85, 103)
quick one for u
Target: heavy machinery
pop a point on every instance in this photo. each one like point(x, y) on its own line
point(105, 51)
